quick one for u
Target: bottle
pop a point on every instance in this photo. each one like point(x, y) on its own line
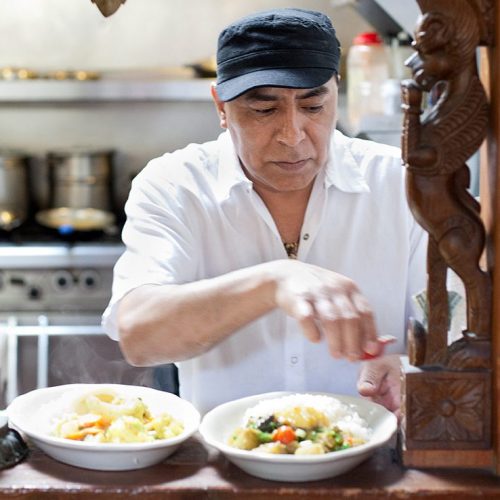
point(400, 51)
point(391, 97)
point(368, 68)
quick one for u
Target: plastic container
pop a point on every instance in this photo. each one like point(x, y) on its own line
point(401, 50)
point(391, 96)
point(368, 68)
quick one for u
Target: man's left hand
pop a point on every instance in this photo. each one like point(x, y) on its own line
point(380, 381)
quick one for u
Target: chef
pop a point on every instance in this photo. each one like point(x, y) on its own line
point(275, 257)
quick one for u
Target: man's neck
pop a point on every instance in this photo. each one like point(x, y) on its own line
point(287, 209)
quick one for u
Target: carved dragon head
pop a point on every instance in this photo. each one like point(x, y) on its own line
point(446, 38)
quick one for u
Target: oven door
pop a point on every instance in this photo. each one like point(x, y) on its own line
point(43, 350)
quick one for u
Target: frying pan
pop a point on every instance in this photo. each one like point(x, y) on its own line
point(67, 220)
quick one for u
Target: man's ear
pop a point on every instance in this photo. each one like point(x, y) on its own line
point(219, 105)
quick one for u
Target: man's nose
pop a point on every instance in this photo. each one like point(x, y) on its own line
point(291, 129)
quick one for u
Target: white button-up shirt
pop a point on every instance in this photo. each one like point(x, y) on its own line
point(193, 215)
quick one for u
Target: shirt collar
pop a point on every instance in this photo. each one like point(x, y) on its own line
point(230, 173)
point(342, 170)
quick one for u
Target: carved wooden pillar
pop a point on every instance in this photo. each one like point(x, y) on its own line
point(447, 389)
point(490, 201)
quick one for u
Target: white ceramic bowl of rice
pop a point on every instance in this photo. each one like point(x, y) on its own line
point(363, 418)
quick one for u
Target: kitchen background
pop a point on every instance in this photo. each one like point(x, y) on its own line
point(71, 79)
point(130, 109)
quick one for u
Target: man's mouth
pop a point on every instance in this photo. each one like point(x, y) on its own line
point(292, 165)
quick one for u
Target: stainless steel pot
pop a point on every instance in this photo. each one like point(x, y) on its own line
point(80, 190)
point(80, 179)
point(14, 192)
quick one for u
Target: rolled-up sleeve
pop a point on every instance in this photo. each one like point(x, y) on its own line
point(158, 237)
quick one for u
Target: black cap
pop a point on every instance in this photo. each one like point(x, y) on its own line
point(280, 48)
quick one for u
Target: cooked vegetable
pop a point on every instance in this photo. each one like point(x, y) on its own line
point(302, 429)
point(106, 417)
point(245, 439)
point(309, 448)
point(285, 434)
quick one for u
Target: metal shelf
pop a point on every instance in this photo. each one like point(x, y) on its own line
point(31, 91)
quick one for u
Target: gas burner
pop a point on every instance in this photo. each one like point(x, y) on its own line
point(33, 233)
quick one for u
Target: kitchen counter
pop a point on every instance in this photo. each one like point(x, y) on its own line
point(196, 471)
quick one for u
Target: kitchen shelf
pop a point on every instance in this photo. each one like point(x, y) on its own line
point(32, 91)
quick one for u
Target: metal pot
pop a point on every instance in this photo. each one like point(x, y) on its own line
point(80, 190)
point(14, 191)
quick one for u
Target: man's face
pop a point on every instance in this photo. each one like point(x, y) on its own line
point(281, 135)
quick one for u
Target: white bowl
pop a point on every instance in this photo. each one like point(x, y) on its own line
point(218, 424)
point(31, 414)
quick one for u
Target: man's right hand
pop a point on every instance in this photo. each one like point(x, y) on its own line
point(329, 305)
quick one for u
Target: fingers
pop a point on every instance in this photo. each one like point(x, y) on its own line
point(378, 347)
point(339, 320)
point(328, 305)
point(370, 379)
point(347, 323)
point(370, 343)
point(380, 381)
point(306, 318)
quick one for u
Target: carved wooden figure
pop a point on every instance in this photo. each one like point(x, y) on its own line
point(446, 397)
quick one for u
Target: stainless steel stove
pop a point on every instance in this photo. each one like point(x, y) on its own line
point(52, 295)
point(56, 277)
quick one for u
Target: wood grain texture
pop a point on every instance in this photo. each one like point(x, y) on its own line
point(447, 402)
point(198, 472)
point(490, 200)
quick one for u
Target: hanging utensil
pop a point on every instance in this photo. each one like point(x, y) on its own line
point(108, 7)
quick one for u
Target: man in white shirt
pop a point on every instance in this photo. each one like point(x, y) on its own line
point(270, 258)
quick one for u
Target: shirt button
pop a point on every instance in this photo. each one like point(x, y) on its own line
point(306, 236)
point(294, 360)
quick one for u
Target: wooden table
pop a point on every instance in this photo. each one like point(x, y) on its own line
point(196, 472)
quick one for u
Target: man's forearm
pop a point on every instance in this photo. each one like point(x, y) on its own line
point(160, 324)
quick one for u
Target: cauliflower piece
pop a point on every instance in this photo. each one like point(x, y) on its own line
point(127, 429)
point(164, 426)
point(307, 447)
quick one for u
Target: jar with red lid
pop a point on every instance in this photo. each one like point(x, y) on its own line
point(368, 68)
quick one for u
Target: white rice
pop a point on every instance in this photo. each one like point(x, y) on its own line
point(339, 414)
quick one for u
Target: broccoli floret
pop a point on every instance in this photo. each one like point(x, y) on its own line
point(268, 424)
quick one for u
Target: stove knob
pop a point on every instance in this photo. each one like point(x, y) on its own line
point(89, 279)
point(63, 280)
point(34, 293)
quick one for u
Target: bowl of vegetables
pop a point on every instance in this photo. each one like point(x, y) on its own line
point(285, 436)
point(104, 426)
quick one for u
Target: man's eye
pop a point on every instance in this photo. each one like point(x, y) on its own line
point(263, 111)
point(313, 109)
